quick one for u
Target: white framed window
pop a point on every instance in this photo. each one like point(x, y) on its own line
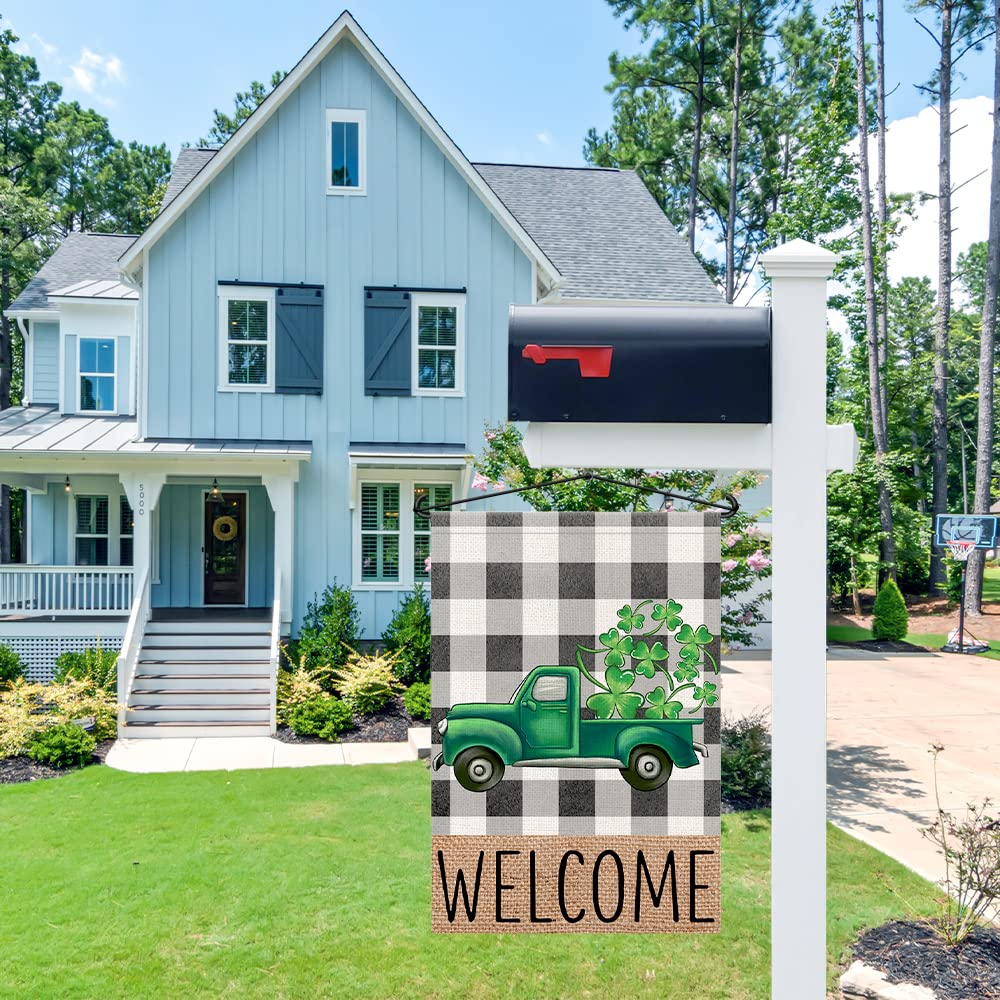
point(96, 388)
point(346, 151)
point(91, 536)
point(246, 339)
point(438, 339)
point(391, 543)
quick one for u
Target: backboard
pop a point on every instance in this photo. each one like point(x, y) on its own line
point(980, 529)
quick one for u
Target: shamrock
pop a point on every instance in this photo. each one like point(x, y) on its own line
point(617, 697)
point(669, 614)
point(692, 640)
point(647, 657)
point(687, 670)
point(628, 619)
point(657, 706)
point(618, 647)
point(706, 694)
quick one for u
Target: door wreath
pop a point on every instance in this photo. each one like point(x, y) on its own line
point(225, 528)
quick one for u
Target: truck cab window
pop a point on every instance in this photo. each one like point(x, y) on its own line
point(551, 688)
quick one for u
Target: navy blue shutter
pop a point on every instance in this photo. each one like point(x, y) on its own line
point(298, 342)
point(387, 343)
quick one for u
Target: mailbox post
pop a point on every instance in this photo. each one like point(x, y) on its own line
point(795, 444)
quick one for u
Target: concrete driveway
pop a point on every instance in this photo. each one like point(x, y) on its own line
point(883, 713)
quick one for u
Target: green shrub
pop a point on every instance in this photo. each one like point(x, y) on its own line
point(746, 762)
point(367, 682)
point(409, 635)
point(11, 666)
point(321, 716)
point(417, 699)
point(97, 665)
point(329, 628)
point(890, 619)
point(62, 745)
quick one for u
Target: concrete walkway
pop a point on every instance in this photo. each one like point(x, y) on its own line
point(237, 753)
point(883, 713)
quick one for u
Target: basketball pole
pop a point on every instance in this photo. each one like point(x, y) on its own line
point(961, 611)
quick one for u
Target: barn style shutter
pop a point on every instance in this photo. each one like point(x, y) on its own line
point(387, 343)
point(298, 344)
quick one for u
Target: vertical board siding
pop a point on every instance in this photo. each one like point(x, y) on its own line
point(180, 583)
point(267, 217)
point(45, 363)
point(69, 374)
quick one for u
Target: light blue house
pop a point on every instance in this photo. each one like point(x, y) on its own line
point(238, 406)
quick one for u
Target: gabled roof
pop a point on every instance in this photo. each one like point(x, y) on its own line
point(80, 257)
point(186, 166)
point(604, 231)
point(344, 27)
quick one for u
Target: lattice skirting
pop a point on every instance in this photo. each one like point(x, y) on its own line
point(38, 650)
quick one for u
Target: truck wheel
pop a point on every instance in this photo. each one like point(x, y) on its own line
point(478, 769)
point(648, 768)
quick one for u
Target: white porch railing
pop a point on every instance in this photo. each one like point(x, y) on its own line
point(275, 650)
point(77, 590)
point(128, 659)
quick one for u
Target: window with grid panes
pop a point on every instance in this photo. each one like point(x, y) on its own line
point(437, 346)
point(91, 531)
point(436, 493)
point(248, 339)
point(126, 525)
point(380, 532)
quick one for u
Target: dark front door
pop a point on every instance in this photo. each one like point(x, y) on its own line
point(225, 549)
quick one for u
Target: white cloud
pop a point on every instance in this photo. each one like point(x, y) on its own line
point(544, 137)
point(49, 50)
point(912, 167)
point(92, 71)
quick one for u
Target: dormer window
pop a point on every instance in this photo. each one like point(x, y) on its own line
point(97, 375)
point(345, 151)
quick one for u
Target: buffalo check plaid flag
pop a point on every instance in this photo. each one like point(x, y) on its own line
point(512, 591)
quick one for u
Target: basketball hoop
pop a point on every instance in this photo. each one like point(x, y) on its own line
point(960, 548)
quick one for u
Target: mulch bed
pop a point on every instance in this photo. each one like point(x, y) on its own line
point(16, 770)
point(390, 725)
point(910, 952)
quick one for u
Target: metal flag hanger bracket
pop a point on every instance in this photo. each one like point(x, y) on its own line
point(729, 505)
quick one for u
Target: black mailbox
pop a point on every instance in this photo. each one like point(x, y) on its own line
point(639, 364)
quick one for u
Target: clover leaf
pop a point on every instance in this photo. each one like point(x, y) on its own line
point(647, 657)
point(618, 697)
point(618, 647)
point(669, 614)
point(687, 670)
point(691, 641)
point(628, 619)
point(657, 706)
point(706, 693)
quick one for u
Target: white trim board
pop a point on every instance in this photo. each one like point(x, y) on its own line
point(344, 27)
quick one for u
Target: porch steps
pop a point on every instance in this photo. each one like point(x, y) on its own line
point(202, 677)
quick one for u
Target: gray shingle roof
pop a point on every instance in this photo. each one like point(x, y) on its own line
point(604, 232)
point(80, 257)
point(189, 161)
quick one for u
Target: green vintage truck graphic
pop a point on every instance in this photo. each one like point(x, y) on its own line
point(542, 726)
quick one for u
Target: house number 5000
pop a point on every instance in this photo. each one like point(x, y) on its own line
point(141, 508)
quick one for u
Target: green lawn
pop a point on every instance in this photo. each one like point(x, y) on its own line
point(930, 640)
point(314, 882)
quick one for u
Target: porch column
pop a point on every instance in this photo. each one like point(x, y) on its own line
point(798, 273)
point(281, 492)
point(143, 491)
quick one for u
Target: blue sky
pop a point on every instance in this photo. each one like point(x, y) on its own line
point(519, 81)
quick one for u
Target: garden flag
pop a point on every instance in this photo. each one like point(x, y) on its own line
point(575, 692)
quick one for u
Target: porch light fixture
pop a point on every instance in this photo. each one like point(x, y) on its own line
point(215, 487)
point(66, 485)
